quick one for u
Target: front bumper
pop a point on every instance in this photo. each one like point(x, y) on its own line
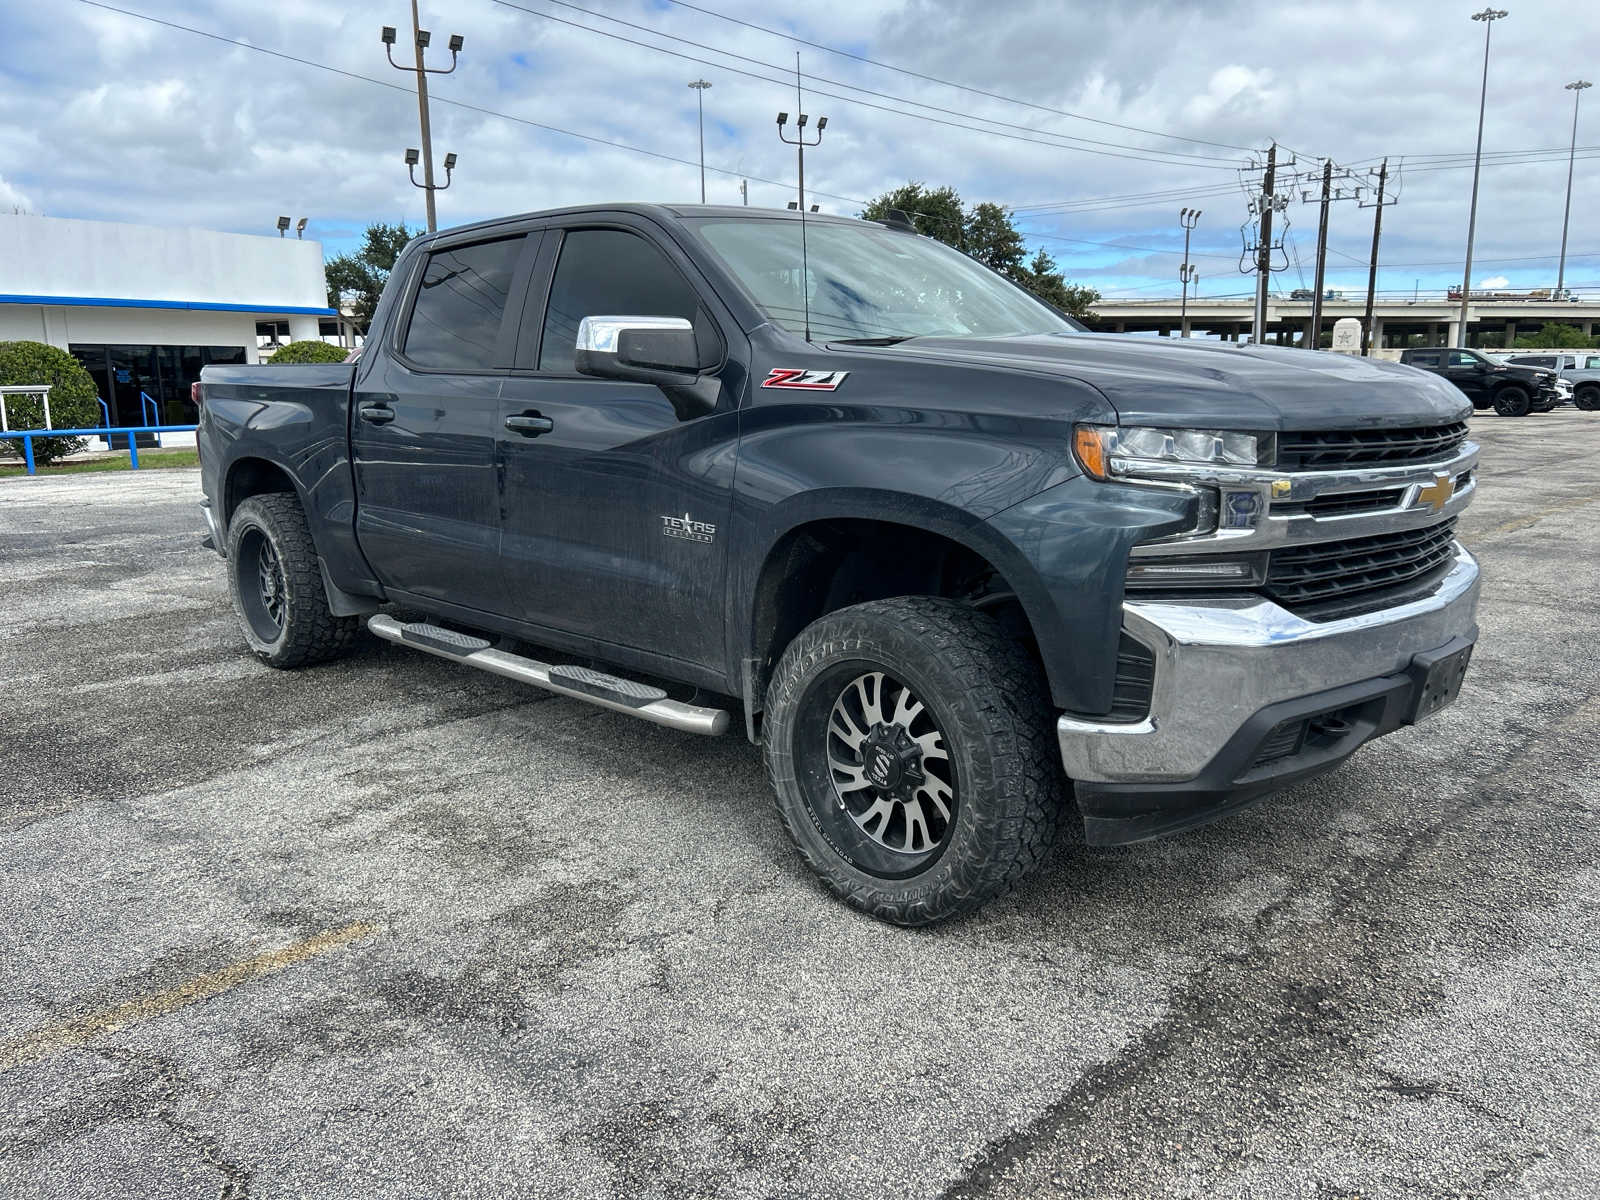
point(1229, 672)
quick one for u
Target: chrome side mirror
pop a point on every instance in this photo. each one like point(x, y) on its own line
point(659, 350)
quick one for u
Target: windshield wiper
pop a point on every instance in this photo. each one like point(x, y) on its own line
point(894, 340)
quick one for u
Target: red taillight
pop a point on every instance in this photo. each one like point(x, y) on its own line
point(194, 393)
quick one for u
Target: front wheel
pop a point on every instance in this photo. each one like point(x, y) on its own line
point(1512, 402)
point(277, 589)
point(1587, 398)
point(909, 742)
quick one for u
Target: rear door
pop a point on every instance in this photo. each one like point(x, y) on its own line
point(426, 420)
point(616, 505)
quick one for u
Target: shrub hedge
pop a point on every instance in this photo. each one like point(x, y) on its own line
point(72, 397)
point(310, 352)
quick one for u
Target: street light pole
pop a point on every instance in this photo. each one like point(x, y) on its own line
point(1488, 16)
point(700, 86)
point(1576, 88)
point(1188, 218)
point(420, 38)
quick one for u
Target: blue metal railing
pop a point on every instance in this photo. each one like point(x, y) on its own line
point(26, 436)
point(149, 412)
point(105, 416)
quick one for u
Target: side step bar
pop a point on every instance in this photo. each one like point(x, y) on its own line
point(607, 691)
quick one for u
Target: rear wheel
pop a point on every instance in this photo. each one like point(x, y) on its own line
point(1512, 402)
point(909, 744)
point(276, 584)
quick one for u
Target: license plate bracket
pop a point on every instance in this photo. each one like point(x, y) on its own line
point(1438, 675)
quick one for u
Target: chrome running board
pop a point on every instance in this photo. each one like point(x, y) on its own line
point(580, 683)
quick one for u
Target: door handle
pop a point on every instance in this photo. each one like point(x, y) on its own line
point(377, 414)
point(530, 424)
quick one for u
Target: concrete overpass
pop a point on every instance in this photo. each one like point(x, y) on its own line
point(1396, 323)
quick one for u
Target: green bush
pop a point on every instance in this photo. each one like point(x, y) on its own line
point(310, 352)
point(72, 397)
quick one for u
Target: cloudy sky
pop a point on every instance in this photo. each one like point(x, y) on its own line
point(1097, 121)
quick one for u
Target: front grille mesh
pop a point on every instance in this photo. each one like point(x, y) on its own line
point(1332, 449)
point(1306, 576)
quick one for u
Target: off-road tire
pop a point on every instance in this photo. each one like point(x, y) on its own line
point(1512, 401)
point(307, 633)
point(1588, 397)
point(989, 701)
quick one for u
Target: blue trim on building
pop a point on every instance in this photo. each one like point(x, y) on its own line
point(197, 305)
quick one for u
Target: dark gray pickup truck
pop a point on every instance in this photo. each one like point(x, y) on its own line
point(952, 560)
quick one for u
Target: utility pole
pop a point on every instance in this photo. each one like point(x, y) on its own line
point(1576, 88)
point(1264, 246)
point(799, 142)
point(744, 191)
point(1488, 16)
point(1372, 269)
point(1322, 256)
point(700, 86)
point(1188, 218)
point(420, 38)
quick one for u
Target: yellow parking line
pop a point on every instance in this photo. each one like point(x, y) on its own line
point(1534, 518)
point(53, 1039)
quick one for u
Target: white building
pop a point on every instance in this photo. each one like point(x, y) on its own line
point(144, 308)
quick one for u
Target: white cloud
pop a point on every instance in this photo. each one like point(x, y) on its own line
point(1494, 281)
point(105, 116)
point(13, 200)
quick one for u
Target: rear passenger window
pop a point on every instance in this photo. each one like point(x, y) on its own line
point(605, 272)
point(456, 319)
point(1425, 359)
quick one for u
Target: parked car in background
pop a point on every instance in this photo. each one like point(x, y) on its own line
point(1512, 391)
point(1579, 369)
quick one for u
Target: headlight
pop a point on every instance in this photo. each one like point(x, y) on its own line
point(1108, 451)
point(1243, 570)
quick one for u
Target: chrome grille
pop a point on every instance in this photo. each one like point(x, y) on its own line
point(1357, 568)
point(1332, 449)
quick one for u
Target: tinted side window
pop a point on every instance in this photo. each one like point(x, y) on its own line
point(605, 272)
point(456, 319)
point(1460, 358)
point(1424, 358)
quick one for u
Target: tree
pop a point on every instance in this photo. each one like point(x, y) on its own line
point(72, 399)
point(358, 278)
point(309, 352)
point(1047, 283)
point(986, 231)
point(1554, 336)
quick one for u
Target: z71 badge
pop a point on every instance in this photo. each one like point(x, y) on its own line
point(806, 381)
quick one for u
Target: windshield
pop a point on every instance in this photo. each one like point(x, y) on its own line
point(869, 282)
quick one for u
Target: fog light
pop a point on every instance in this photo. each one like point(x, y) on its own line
point(1173, 572)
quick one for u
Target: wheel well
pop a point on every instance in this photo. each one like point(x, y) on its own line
point(252, 477)
point(827, 565)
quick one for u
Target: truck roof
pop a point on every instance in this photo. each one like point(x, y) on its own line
point(659, 212)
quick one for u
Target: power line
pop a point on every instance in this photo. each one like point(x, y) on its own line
point(1061, 112)
point(1144, 155)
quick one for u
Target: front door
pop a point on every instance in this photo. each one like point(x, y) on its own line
point(616, 502)
point(424, 427)
point(1466, 372)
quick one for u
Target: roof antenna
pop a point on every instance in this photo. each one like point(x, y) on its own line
point(800, 145)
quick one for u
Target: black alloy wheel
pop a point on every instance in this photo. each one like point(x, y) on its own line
point(1512, 401)
point(910, 743)
point(262, 592)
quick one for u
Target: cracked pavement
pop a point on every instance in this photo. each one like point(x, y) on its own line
point(597, 968)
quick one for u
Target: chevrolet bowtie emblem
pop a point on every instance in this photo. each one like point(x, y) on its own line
point(1436, 493)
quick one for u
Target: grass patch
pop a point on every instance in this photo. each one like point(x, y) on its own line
point(186, 456)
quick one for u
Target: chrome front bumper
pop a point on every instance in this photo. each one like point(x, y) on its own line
point(1219, 662)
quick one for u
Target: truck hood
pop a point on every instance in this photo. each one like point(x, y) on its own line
point(1216, 384)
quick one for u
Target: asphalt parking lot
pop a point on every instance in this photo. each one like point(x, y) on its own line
point(389, 927)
